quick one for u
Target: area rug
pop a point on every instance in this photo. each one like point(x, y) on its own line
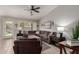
point(45, 46)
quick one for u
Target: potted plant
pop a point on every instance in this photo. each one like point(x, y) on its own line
point(75, 38)
point(75, 32)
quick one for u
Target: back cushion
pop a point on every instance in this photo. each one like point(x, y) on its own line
point(26, 43)
point(31, 32)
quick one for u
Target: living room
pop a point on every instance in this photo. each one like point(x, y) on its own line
point(49, 24)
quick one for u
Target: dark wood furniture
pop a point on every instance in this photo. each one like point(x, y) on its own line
point(45, 36)
point(42, 34)
point(63, 46)
point(28, 45)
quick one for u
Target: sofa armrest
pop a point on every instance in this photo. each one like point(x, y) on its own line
point(15, 49)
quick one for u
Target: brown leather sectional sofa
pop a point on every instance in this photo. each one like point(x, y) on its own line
point(45, 36)
point(42, 34)
point(27, 46)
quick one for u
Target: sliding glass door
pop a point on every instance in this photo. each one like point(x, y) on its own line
point(8, 28)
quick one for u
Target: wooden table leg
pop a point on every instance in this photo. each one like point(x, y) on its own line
point(64, 50)
point(61, 50)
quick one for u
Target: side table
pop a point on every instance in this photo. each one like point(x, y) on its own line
point(63, 46)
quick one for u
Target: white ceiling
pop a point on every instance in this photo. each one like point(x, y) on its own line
point(19, 12)
point(64, 15)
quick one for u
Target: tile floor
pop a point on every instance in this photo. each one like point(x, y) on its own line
point(6, 47)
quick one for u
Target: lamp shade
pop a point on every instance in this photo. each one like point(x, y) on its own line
point(60, 29)
point(19, 28)
point(37, 32)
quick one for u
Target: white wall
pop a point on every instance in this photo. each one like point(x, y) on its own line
point(46, 29)
point(64, 16)
point(1, 33)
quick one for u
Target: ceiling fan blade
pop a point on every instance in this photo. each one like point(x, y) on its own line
point(37, 8)
point(36, 11)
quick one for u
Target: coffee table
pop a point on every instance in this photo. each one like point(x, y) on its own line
point(63, 45)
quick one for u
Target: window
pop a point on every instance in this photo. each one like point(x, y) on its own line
point(45, 25)
point(27, 25)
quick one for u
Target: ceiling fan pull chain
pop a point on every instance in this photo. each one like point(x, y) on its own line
point(31, 12)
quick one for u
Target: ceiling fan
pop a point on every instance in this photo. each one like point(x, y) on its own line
point(34, 9)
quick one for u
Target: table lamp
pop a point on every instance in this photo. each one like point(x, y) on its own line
point(60, 30)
